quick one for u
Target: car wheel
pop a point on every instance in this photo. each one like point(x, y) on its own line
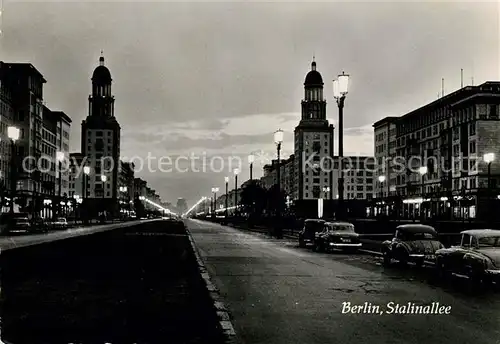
point(387, 257)
point(419, 262)
point(402, 257)
point(318, 247)
point(441, 268)
point(475, 276)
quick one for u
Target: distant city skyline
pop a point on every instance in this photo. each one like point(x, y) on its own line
point(200, 77)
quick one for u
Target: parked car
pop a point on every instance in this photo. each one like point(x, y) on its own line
point(20, 225)
point(11, 223)
point(308, 233)
point(60, 223)
point(337, 235)
point(477, 256)
point(39, 225)
point(412, 243)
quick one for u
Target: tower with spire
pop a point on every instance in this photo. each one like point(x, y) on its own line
point(313, 143)
point(101, 142)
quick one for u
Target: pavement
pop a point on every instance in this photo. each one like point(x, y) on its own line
point(278, 293)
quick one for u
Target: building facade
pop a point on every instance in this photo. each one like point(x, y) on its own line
point(101, 142)
point(76, 175)
point(313, 142)
point(441, 172)
point(385, 153)
point(6, 120)
point(26, 89)
point(126, 186)
point(287, 175)
point(359, 178)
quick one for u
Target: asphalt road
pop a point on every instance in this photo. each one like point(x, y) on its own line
point(279, 293)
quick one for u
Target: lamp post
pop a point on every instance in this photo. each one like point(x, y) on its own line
point(86, 173)
point(76, 200)
point(381, 180)
point(59, 157)
point(422, 170)
point(278, 140)
point(103, 180)
point(340, 87)
point(214, 208)
point(236, 172)
point(226, 180)
point(251, 159)
point(326, 190)
point(489, 158)
point(13, 134)
point(123, 190)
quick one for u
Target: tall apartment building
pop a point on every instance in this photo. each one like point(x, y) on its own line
point(449, 137)
point(62, 144)
point(359, 178)
point(385, 153)
point(26, 90)
point(6, 119)
point(126, 180)
point(76, 179)
point(313, 139)
point(287, 175)
point(101, 142)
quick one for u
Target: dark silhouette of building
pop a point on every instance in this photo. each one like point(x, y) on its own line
point(101, 142)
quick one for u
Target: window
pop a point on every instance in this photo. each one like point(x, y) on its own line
point(472, 129)
point(493, 111)
point(472, 147)
point(98, 133)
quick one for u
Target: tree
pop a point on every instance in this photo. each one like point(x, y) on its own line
point(276, 200)
point(254, 198)
point(139, 208)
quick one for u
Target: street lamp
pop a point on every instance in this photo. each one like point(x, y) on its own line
point(423, 171)
point(214, 210)
point(340, 88)
point(59, 157)
point(326, 190)
point(381, 180)
point(236, 172)
point(278, 140)
point(86, 172)
point(13, 134)
point(226, 180)
point(103, 180)
point(123, 190)
point(251, 159)
point(489, 158)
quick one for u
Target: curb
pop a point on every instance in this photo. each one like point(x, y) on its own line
point(222, 312)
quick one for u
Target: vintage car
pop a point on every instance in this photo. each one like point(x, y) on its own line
point(337, 235)
point(60, 223)
point(476, 257)
point(412, 243)
point(308, 233)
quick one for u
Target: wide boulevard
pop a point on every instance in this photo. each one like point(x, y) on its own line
point(279, 293)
